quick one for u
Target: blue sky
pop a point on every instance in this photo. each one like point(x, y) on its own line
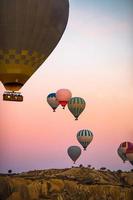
point(107, 5)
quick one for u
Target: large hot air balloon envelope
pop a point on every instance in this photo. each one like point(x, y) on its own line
point(63, 96)
point(29, 31)
point(52, 101)
point(121, 154)
point(84, 137)
point(76, 105)
point(74, 152)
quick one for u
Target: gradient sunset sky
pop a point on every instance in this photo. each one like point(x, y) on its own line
point(94, 59)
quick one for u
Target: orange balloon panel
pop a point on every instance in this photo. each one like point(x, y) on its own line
point(63, 95)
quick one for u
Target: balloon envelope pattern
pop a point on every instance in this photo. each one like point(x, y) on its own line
point(63, 96)
point(74, 152)
point(84, 137)
point(121, 154)
point(126, 145)
point(52, 101)
point(129, 155)
point(29, 31)
point(76, 105)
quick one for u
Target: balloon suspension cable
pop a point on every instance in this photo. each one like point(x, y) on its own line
point(54, 110)
point(76, 118)
point(74, 162)
point(85, 149)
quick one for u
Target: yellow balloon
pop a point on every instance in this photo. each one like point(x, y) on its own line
point(29, 31)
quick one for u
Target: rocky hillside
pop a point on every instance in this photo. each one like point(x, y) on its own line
point(67, 184)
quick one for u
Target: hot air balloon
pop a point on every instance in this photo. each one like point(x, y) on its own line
point(76, 105)
point(129, 155)
point(74, 152)
point(63, 96)
point(122, 154)
point(126, 145)
point(29, 31)
point(84, 137)
point(52, 101)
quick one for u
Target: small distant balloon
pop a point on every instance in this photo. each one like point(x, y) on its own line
point(84, 137)
point(74, 152)
point(76, 105)
point(125, 151)
point(126, 145)
point(63, 96)
point(52, 101)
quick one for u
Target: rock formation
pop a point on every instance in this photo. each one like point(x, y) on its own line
point(67, 184)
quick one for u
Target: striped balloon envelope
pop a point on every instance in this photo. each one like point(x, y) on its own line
point(52, 101)
point(84, 137)
point(76, 105)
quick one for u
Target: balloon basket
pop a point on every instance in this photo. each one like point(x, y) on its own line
point(12, 96)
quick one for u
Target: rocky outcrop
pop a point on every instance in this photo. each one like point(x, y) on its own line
point(68, 184)
point(128, 178)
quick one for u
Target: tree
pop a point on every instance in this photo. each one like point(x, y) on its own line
point(103, 168)
point(9, 171)
point(80, 165)
point(119, 171)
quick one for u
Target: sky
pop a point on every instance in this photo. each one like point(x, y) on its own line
point(94, 60)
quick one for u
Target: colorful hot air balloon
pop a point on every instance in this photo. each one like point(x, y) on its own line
point(84, 137)
point(52, 101)
point(29, 31)
point(126, 145)
point(74, 152)
point(63, 96)
point(129, 154)
point(76, 105)
point(122, 154)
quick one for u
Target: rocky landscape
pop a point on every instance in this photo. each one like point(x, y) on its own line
point(76, 183)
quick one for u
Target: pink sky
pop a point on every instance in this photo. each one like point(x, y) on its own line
point(94, 61)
